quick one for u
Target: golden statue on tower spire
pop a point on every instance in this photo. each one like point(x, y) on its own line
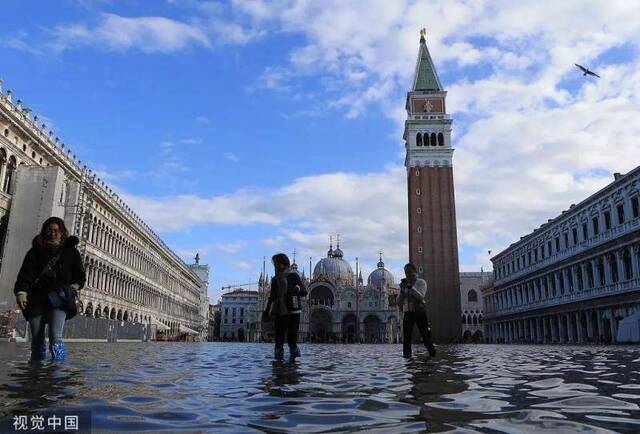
point(423, 34)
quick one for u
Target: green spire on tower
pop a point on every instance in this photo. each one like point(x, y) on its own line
point(425, 77)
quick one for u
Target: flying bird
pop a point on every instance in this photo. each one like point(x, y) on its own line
point(586, 71)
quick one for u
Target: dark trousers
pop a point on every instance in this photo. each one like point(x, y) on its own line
point(411, 318)
point(287, 325)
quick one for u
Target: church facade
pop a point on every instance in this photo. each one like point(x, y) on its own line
point(340, 306)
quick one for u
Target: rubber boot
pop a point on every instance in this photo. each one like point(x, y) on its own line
point(295, 352)
point(58, 351)
point(431, 349)
point(39, 353)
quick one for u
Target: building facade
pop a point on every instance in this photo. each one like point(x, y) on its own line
point(340, 307)
point(132, 275)
point(575, 277)
point(471, 304)
point(237, 312)
point(433, 243)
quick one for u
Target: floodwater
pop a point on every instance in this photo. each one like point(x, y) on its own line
point(233, 387)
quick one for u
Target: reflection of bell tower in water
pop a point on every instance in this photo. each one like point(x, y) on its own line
point(433, 244)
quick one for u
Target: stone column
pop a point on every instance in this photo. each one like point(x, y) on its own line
point(565, 279)
point(634, 260)
point(590, 336)
point(574, 277)
point(540, 323)
point(614, 325)
point(620, 263)
point(585, 276)
point(607, 270)
point(579, 334)
point(600, 324)
point(561, 329)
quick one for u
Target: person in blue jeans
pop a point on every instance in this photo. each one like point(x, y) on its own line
point(52, 264)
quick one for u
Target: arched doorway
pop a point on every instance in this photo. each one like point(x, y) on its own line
point(373, 329)
point(321, 296)
point(477, 337)
point(466, 336)
point(349, 327)
point(320, 326)
point(241, 335)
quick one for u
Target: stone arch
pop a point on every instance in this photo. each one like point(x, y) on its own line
point(80, 307)
point(98, 312)
point(89, 309)
point(440, 139)
point(321, 325)
point(434, 140)
point(466, 336)
point(125, 316)
point(418, 139)
point(321, 294)
point(113, 313)
point(349, 328)
point(119, 315)
point(477, 336)
point(373, 329)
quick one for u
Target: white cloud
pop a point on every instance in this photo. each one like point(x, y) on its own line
point(147, 34)
point(203, 120)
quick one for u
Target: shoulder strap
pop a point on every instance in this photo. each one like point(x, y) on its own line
point(52, 262)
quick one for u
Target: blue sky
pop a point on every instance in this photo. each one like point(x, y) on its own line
point(238, 129)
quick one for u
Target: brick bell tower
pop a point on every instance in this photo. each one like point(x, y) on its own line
point(433, 241)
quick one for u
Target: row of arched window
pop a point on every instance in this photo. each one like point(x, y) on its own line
point(611, 268)
point(472, 319)
point(427, 139)
point(106, 238)
point(104, 277)
point(582, 231)
point(121, 315)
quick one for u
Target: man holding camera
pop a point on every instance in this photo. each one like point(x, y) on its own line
point(413, 291)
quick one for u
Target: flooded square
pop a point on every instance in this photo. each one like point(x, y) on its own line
point(231, 387)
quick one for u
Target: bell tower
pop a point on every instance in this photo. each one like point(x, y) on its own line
point(433, 241)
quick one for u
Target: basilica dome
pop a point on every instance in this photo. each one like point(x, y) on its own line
point(334, 267)
point(378, 275)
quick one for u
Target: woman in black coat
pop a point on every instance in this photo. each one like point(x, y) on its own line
point(284, 305)
point(50, 272)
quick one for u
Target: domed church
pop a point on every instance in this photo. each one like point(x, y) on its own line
point(340, 308)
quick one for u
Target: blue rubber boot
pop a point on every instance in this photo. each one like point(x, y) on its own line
point(38, 353)
point(58, 351)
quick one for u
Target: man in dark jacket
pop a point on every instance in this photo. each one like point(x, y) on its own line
point(284, 305)
point(52, 264)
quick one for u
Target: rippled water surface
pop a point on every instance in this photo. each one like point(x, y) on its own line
point(220, 387)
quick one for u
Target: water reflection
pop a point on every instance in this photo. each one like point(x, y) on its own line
point(238, 388)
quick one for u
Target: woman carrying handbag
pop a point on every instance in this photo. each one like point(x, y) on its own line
point(47, 285)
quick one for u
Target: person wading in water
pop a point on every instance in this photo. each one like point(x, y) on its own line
point(284, 305)
point(412, 302)
point(47, 284)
